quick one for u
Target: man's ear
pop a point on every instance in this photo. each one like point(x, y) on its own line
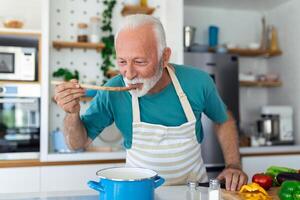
point(166, 56)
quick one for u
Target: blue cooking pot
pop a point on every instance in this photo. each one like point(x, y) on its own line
point(123, 183)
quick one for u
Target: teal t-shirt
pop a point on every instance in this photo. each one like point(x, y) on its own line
point(162, 108)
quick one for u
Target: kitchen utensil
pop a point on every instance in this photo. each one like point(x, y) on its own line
point(95, 87)
point(189, 35)
point(264, 36)
point(122, 183)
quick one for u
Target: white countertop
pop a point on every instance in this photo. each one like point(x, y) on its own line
point(270, 150)
point(161, 193)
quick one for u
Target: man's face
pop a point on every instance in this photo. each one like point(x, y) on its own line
point(137, 58)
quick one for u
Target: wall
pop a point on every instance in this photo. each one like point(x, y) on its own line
point(287, 20)
point(240, 27)
point(16, 8)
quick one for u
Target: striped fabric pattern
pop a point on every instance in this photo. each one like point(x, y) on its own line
point(171, 151)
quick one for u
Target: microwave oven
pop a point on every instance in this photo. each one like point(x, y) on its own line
point(18, 58)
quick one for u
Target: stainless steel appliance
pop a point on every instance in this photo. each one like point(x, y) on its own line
point(19, 120)
point(268, 128)
point(18, 58)
point(223, 68)
point(281, 129)
point(189, 35)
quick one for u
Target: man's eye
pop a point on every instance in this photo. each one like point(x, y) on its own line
point(122, 62)
point(139, 62)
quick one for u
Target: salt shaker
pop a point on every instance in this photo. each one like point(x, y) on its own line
point(192, 193)
point(214, 192)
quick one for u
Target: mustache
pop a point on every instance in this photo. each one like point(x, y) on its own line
point(134, 81)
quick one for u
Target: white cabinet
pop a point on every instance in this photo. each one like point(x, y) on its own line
point(70, 178)
point(259, 164)
point(19, 180)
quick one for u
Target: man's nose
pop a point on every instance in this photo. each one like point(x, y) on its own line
point(130, 72)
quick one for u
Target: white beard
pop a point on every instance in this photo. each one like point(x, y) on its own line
point(148, 83)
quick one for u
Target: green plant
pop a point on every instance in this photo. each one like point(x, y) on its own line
point(66, 74)
point(108, 53)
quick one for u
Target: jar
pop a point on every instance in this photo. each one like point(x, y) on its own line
point(94, 36)
point(82, 34)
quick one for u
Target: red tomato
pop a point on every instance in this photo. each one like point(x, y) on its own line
point(263, 180)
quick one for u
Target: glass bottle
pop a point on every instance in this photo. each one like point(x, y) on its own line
point(214, 192)
point(94, 36)
point(192, 193)
point(82, 32)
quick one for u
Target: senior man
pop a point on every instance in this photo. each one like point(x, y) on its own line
point(160, 119)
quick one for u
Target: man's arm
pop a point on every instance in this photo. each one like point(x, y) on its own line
point(228, 138)
point(75, 133)
point(67, 97)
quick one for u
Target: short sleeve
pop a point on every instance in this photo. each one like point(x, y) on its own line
point(98, 115)
point(215, 108)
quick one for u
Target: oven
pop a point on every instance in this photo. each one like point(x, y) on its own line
point(19, 120)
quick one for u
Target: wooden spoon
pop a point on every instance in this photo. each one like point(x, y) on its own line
point(95, 87)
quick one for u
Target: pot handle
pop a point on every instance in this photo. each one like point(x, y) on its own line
point(158, 181)
point(96, 186)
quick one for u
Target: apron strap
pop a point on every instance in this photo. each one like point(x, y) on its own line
point(135, 109)
point(182, 98)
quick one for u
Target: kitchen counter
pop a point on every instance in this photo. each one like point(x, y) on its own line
point(270, 150)
point(162, 193)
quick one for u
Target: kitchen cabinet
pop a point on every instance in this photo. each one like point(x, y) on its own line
point(49, 178)
point(69, 178)
point(19, 180)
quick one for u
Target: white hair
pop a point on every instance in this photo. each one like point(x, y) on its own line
point(137, 20)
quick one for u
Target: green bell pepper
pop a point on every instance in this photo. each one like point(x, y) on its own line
point(289, 190)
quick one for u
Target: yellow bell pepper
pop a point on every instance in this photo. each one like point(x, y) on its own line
point(253, 191)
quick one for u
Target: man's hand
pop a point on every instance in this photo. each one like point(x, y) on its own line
point(67, 96)
point(234, 178)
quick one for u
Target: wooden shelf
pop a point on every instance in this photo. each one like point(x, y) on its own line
point(81, 45)
point(260, 83)
point(129, 10)
point(256, 52)
point(38, 163)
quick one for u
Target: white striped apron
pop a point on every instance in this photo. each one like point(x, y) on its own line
point(172, 151)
